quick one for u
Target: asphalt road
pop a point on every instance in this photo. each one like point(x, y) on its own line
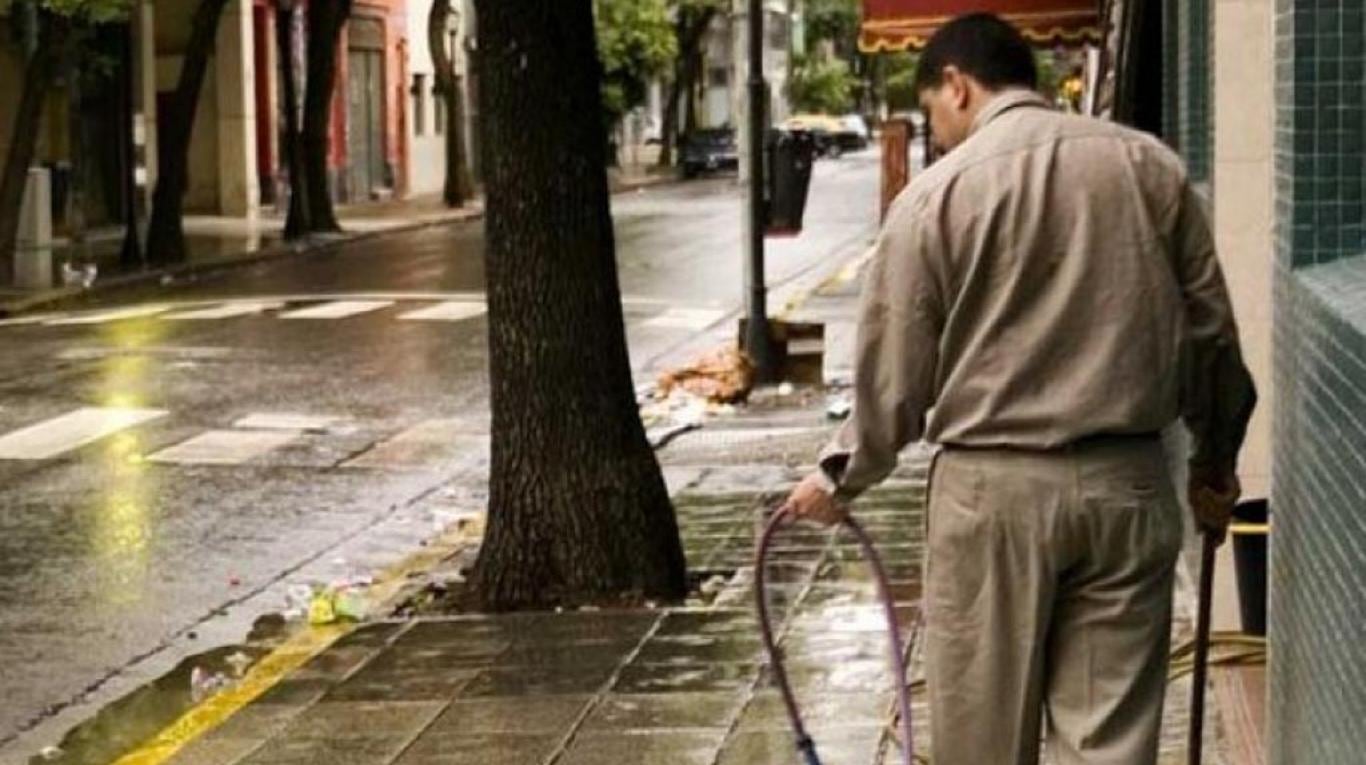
point(172, 462)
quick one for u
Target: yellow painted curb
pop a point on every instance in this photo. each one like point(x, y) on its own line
point(292, 654)
point(215, 710)
point(847, 273)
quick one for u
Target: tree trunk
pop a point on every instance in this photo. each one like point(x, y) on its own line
point(325, 21)
point(131, 254)
point(690, 31)
point(690, 105)
point(459, 186)
point(291, 144)
point(38, 77)
point(578, 510)
point(166, 232)
point(668, 131)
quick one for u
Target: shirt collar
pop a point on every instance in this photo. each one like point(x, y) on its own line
point(1004, 102)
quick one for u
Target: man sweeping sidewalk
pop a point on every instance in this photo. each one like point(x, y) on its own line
point(1043, 302)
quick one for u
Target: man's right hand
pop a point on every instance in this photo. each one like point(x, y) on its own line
point(1213, 492)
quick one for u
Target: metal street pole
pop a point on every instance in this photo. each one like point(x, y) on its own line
point(757, 341)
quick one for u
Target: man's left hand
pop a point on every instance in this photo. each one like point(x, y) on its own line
point(812, 501)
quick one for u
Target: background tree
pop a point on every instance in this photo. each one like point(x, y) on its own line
point(833, 22)
point(832, 77)
point(459, 187)
point(823, 86)
point(692, 20)
point(636, 43)
point(48, 29)
point(898, 81)
point(291, 144)
point(166, 230)
point(578, 510)
point(326, 18)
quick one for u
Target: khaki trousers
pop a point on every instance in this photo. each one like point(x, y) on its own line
point(1048, 599)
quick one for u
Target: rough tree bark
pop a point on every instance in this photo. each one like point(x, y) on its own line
point(690, 100)
point(690, 29)
point(578, 510)
point(41, 70)
point(291, 144)
point(166, 231)
point(325, 21)
point(459, 186)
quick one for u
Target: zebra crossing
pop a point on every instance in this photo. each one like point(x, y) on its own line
point(256, 438)
point(407, 308)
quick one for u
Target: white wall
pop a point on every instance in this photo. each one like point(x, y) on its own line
point(426, 149)
point(222, 173)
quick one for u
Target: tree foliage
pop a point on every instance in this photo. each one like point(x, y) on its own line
point(833, 20)
point(636, 43)
point(899, 81)
point(80, 11)
point(823, 86)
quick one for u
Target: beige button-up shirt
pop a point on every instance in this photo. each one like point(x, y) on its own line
point(1051, 279)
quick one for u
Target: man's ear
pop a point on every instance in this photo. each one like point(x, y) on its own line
point(956, 84)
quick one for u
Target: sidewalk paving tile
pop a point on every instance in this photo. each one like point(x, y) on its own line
point(766, 711)
point(685, 678)
point(836, 746)
point(664, 711)
point(367, 750)
point(480, 749)
point(653, 748)
point(539, 715)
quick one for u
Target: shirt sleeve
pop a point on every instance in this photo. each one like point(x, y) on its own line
point(1217, 392)
point(901, 317)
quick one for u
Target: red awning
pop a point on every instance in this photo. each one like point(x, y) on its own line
point(893, 25)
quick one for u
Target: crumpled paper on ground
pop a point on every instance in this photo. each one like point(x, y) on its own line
point(721, 376)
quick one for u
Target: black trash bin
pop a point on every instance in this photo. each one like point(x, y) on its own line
point(789, 155)
point(1249, 530)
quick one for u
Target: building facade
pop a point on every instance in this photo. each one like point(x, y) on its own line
point(428, 121)
point(1267, 102)
point(235, 164)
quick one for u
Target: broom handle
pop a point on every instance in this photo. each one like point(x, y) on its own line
point(1202, 631)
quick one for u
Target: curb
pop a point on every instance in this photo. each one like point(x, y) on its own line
point(391, 587)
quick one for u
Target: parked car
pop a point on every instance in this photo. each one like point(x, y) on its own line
point(834, 135)
point(709, 150)
point(855, 134)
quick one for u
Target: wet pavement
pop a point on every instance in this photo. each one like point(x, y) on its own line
point(169, 471)
point(681, 686)
point(677, 686)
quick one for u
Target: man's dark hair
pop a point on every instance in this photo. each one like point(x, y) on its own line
point(983, 46)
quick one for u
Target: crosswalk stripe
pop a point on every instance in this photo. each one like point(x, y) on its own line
point(101, 317)
point(337, 309)
point(448, 311)
point(685, 318)
point(422, 445)
point(224, 447)
point(72, 430)
point(285, 421)
point(224, 311)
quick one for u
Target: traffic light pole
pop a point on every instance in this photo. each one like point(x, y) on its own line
point(757, 341)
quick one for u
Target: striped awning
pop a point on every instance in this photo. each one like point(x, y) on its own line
point(895, 25)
